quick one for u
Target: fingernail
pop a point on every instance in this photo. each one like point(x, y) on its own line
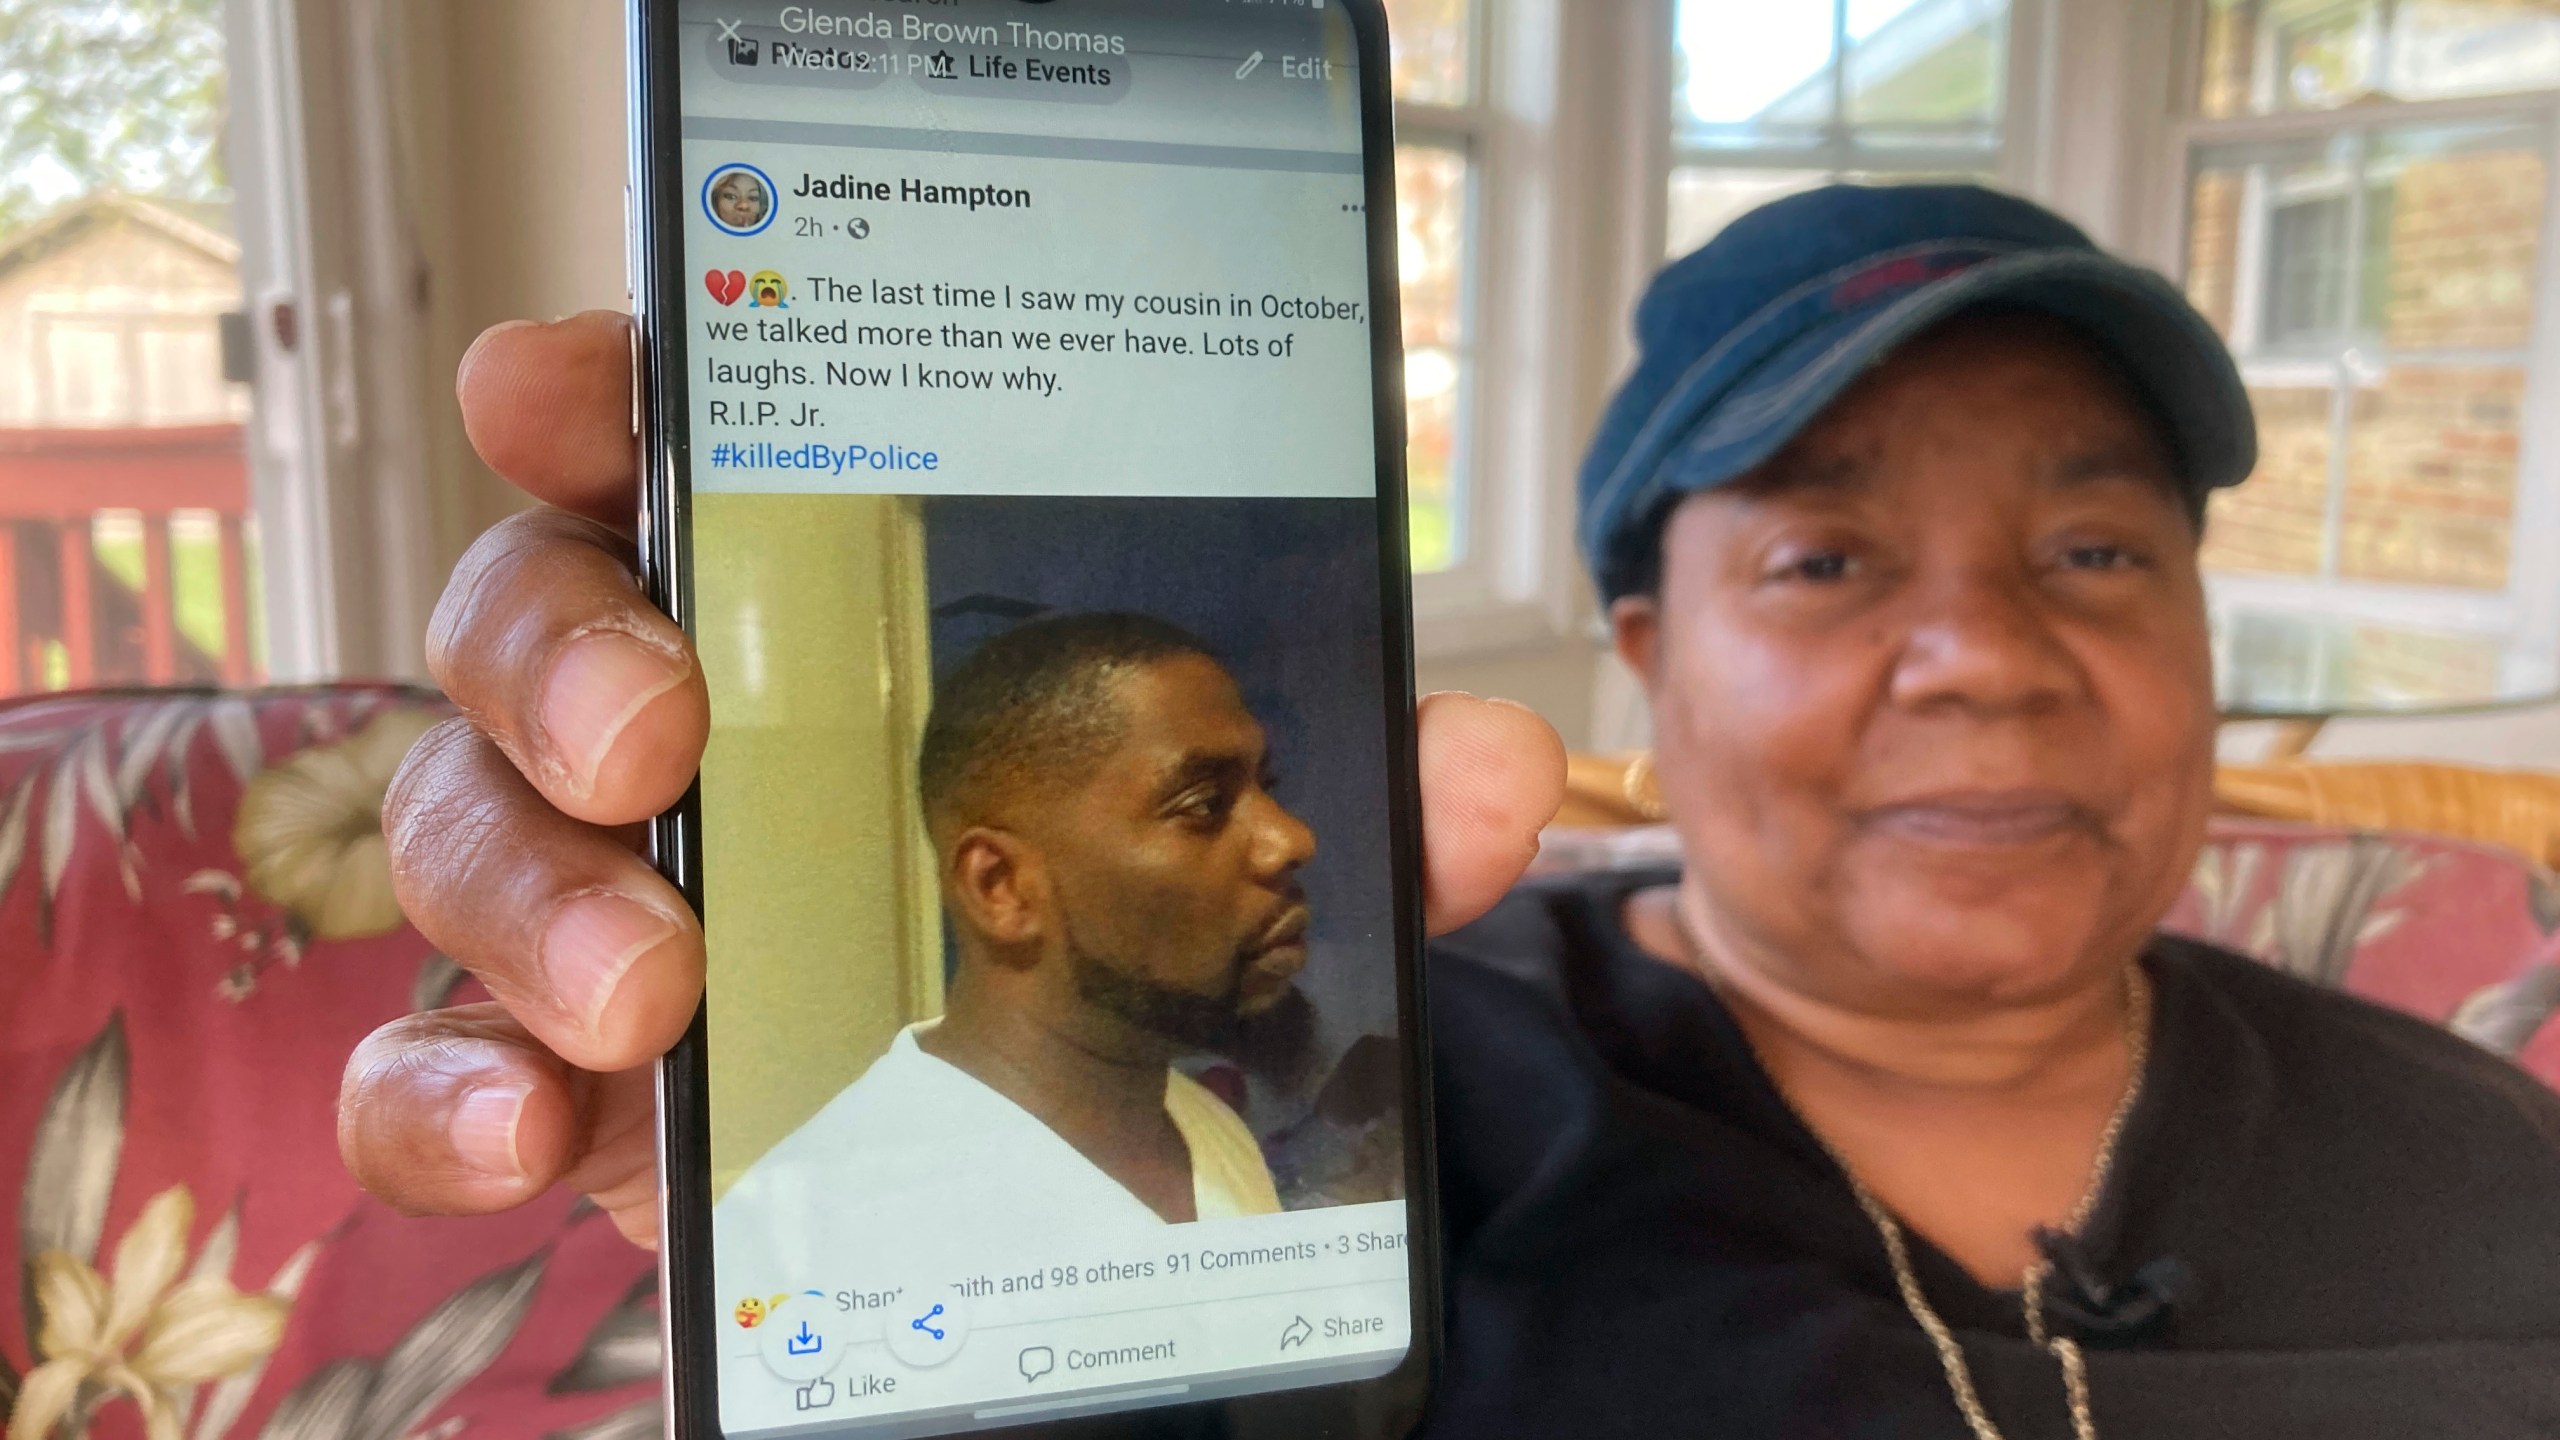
point(484, 1130)
point(591, 945)
point(597, 685)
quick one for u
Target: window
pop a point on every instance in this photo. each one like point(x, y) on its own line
point(213, 292)
point(128, 550)
point(1439, 121)
point(2367, 189)
point(1772, 98)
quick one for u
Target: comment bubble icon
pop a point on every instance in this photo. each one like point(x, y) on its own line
point(1037, 1361)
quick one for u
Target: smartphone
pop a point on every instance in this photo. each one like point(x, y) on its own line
point(1022, 425)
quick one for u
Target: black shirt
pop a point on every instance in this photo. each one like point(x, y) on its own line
point(2326, 1220)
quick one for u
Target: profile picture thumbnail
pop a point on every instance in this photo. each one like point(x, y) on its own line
point(739, 199)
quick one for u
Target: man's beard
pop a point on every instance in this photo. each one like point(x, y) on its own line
point(1276, 1043)
point(1198, 1020)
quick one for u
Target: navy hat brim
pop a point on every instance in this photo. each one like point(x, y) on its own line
point(2139, 321)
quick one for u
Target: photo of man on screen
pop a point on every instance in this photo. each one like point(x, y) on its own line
point(1122, 891)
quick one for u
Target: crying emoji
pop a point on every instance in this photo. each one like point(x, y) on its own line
point(752, 1312)
point(768, 291)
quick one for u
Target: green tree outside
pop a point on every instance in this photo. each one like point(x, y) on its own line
point(121, 95)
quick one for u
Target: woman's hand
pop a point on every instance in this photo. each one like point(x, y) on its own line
point(512, 829)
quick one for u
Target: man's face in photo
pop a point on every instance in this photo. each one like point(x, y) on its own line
point(1174, 868)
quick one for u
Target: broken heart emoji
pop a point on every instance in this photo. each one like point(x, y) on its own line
point(726, 285)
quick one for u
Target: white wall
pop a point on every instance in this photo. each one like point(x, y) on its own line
point(1558, 681)
point(519, 122)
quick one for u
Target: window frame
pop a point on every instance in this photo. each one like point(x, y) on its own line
point(2026, 157)
point(1840, 153)
point(354, 524)
point(1568, 212)
point(1514, 584)
point(1572, 129)
point(1464, 130)
point(2040, 152)
point(2099, 126)
point(2527, 612)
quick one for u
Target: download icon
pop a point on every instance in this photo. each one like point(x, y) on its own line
point(801, 1340)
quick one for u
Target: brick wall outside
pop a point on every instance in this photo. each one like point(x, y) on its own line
point(2431, 478)
point(2463, 243)
point(2213, 245)
point(2432, 451)
point(2272, 525)
point(2230, 39)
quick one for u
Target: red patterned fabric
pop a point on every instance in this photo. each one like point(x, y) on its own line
point(2453, 932)
point(195, 930)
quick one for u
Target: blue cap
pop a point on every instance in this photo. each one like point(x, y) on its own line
point(1746, 341)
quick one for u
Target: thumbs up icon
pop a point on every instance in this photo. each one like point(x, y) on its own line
point(816, 1395)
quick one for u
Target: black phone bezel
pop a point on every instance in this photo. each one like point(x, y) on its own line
point(1380, 1409)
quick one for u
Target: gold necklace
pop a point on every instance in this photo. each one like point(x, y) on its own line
point(2065, 1350)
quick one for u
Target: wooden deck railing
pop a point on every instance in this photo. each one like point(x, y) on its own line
point(55, 591)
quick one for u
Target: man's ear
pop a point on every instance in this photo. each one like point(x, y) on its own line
point(998, 887)
point(1635, 627)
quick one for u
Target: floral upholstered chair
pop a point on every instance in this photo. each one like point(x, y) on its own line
point(196, 928)
point(2452, 931)
point(2458, 933)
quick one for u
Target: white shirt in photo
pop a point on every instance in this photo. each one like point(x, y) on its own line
point(920, 1156)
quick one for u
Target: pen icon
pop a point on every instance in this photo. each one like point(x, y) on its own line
point(1252, 63)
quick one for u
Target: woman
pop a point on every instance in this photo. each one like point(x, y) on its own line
point(1890, 1116)
point(739, 201)
point(1892, 1104)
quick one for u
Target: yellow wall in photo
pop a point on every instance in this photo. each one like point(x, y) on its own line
point(819, 900)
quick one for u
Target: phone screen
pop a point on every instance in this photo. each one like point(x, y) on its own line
point(1022, 407)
